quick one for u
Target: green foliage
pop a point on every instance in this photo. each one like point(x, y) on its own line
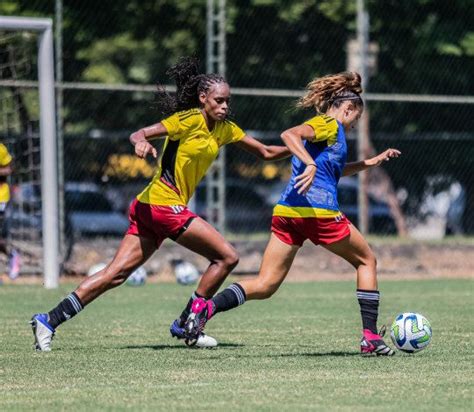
point(426, 46)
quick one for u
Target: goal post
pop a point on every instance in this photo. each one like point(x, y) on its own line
point(47, 106)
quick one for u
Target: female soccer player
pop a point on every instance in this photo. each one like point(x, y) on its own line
point(308, 209)
point(6, 169)
point(194, 133)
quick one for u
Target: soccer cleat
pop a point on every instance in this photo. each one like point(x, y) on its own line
point(372, 344)
point(203, 340)
point(176, 330)
point(201, 311)
point(42, 331)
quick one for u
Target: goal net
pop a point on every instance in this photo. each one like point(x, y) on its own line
point(27, 128)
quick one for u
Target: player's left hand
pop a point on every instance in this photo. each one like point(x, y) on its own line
point(385, 156)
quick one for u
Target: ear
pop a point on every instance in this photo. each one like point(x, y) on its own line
point(349, 109)
point(202, 97)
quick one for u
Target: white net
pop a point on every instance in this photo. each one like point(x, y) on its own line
point(19, 132)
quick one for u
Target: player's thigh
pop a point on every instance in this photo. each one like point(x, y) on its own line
point(200, 237)
point(353, 248)
point(276, 263)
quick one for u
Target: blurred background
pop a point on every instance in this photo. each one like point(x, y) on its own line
point(418, 60)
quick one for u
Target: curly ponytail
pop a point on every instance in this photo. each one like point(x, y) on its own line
point(189, 84)
point(332, 89)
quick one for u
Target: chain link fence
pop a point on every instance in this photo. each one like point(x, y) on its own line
point(110, 55)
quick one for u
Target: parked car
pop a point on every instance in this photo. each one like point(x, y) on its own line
point(88, 211)
point(380, 217)
point(91, 213)
point(246, 210)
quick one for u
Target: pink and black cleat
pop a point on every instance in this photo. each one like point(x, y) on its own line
point(201, 311)
point(372, 344)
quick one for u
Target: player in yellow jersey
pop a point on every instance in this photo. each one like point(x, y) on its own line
point(6, 169)
point(308, 209)
point(195, 129)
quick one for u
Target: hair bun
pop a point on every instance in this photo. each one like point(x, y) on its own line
point(354, 82)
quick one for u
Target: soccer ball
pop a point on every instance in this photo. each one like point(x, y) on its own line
point(186, 273)
point(410, 332)
point(137, 278)
point(96, 268)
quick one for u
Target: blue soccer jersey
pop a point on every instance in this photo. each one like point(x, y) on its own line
point(329, 151)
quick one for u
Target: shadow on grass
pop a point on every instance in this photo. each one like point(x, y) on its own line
point(178, 346)
point(315, 354)
point(292, 355)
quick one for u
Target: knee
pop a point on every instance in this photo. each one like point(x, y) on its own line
point(230, 259)
point(372, 261)
point(369, 260)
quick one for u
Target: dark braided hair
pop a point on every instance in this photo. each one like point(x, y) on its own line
point(189, 84)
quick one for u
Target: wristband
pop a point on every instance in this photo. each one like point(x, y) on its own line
point(311, 164)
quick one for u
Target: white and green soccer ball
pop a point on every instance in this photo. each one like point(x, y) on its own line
point(411, 332)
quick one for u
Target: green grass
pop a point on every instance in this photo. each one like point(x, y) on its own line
point(297, 351)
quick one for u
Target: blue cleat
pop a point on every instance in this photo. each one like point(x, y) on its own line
point(176, 330)
point(203, 341)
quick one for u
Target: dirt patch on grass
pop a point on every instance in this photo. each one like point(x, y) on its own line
point(396, 260)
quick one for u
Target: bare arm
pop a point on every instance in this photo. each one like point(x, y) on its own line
point(140, 139)
point(293, 139)
point(6, 170)
point(262, 151)
point(356, 167)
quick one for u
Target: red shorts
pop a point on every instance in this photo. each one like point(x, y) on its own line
point(158, 222)
point(320, 231)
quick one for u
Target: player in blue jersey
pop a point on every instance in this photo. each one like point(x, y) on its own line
point(308, 209)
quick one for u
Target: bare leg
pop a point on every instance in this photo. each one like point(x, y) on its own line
point(355, 250)
point(276, 263)
point(203, 239)
point(132, 253)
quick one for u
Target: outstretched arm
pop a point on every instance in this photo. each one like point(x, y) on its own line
point(356, 167)
point(262, 151)
point(140, 139)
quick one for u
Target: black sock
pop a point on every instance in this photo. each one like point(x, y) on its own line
point(369, 308)
point(67, 309)
point(187, 310)
point(229, 298)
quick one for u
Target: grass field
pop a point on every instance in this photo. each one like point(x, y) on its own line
point(297, 351)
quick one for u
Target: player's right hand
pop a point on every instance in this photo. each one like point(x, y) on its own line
point(305, 179)
point(143, 148)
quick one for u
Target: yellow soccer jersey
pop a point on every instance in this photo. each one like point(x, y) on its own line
point(5, 160)
point(189, 150)
point(325, 128)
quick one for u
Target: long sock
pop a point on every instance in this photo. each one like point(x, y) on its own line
point(229, 298)
point(369, 308)
point(184, 315)
point(67, 309)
